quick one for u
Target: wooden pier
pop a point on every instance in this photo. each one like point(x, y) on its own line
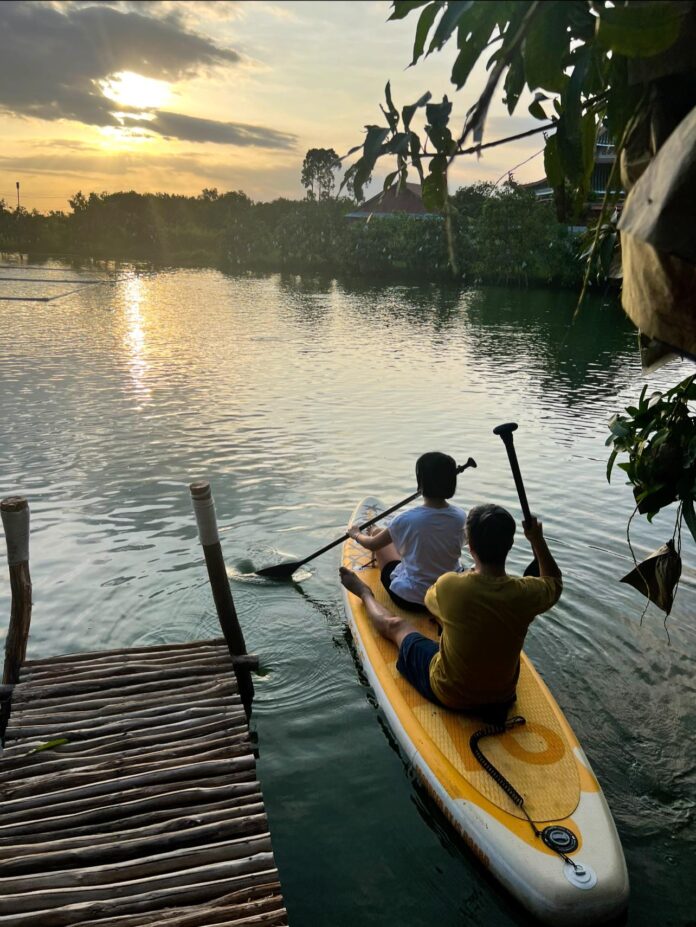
point(128, 790)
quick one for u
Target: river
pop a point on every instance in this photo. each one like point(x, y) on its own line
point(296, 397)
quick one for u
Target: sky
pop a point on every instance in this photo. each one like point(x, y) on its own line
point(167, 96)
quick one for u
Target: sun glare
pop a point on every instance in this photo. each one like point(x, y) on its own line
point(130, 89)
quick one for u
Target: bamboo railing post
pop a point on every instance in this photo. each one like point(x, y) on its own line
point(204, 509)
point(15, 520)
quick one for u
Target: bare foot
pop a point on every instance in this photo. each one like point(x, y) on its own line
point(353, 583)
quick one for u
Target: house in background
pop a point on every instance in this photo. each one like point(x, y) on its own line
point(407, 201)
point(605, 156)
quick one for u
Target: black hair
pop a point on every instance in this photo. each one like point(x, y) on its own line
point(490, 531)
point(437, 475)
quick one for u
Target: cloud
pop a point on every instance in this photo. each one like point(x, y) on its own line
point(53, 59)
point(194, 129)
point(189, 12)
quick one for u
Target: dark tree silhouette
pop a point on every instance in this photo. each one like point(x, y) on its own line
point(318, 170)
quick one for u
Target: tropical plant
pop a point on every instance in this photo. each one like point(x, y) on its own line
point(574, 55)
point(659, 436)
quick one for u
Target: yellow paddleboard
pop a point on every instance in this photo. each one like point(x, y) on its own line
point(541, 759)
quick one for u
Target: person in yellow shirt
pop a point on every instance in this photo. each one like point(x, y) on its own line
point(484, 615)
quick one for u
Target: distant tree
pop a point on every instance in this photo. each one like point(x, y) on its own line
point(318, 170)
point(78, 203)
point(471, 199)
point(209, 194)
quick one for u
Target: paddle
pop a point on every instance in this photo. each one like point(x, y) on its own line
point(505, 432)
point(285, 570)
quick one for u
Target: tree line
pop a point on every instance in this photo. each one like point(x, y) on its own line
point(498, 235)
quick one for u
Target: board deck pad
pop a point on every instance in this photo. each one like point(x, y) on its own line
point(536, 758)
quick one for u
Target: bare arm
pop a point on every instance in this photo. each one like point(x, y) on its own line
point(533, 531)
point(370, 541)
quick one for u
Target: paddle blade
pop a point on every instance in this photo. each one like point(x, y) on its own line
point(280, 570)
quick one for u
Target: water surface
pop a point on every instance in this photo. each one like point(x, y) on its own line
point(297, 397)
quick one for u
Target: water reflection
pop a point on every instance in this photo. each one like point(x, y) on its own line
point(296, 397)
point(134, 297)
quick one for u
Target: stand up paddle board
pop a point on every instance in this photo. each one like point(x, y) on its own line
point(556, 849)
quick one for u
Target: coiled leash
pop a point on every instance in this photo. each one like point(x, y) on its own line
point(556, 838)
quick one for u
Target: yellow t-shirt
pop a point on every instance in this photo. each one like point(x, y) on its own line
point(484, 622)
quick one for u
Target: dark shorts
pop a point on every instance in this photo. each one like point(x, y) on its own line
point(415, 653)
point(385, 576)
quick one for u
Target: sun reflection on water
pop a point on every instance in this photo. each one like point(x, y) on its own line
point(135, 342)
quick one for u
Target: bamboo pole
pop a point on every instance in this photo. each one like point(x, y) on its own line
point(204, 509)
point(69, 791)
point(137, 819)
point(73, 712)
point(163, 861)
point(48, 783)
point(19, 754)
point(226, 910)
point(150, 649)
point(196, 747)
point(152, 889)
point(15, 520)
point(101, 849)
point(143, 803)
point(34, 674)
point(140, 686)
point(75, 911)
point(223, 685)
point(93, 727)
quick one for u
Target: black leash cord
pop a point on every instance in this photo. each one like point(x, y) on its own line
point(498, 777)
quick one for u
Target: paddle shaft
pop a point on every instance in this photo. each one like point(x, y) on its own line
point(516, 474)
point(286, 569)
point(372, 521)
point(505, 432)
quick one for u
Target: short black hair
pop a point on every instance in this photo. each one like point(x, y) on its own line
point(490, 531)
point(437, 475)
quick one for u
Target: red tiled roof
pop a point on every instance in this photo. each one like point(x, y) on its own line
point(409, 199)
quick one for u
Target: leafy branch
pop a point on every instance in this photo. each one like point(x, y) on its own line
point(572, 54)
point(659, 436)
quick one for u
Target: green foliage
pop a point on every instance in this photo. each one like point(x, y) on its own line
point(155, 227)
point(576, 50)
point(499, 234)
point(318, 170)
point(659, 436)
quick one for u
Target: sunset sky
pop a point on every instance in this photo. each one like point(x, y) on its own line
point(177, 96)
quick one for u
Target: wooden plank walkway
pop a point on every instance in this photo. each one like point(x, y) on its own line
point(150, 813)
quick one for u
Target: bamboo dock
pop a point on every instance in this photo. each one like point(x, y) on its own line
point(128, 782)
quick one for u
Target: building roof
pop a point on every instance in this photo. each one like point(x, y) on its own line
point(408, 199)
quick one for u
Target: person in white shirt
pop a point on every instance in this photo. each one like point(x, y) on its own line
point(423, 543)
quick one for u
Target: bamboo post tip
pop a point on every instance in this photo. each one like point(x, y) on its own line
point(200, 489)
point(13, 504)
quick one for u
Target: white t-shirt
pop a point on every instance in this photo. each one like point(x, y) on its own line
point(429, 542)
